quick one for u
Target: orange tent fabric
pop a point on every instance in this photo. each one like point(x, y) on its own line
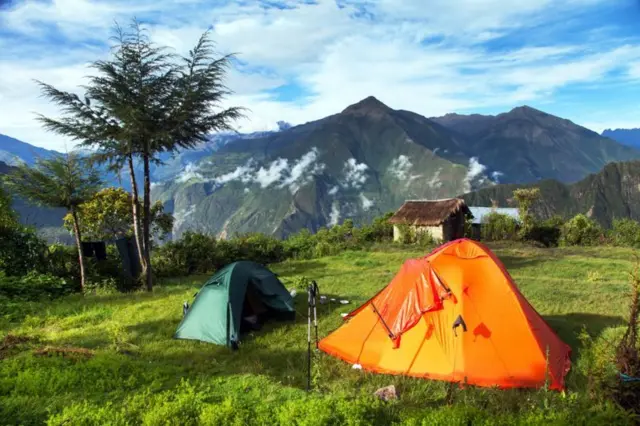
point(408, 327)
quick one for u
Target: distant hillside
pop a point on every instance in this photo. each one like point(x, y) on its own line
point(48, 221)
point(629, 137)
point(612, 193)
point(13, 151)
point(526, 145)
point(367, 160)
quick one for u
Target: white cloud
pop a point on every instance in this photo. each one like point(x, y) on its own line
point(334, 216)
point(190, 172)
point(242, 173)
point(300, 173)
point(496, 176)
point(303, 171)
point(475, 171)
point(334, 190)
point(355, 174)
point(271, 175)
point(435, 182)
point(400, 167)
point(181, 216)
point(366, 203)
point(334, 52)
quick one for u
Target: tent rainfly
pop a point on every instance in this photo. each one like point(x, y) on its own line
point(454, 315)
point(443, 219)
point(238, 291)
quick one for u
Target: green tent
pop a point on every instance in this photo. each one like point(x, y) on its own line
point(239, 290)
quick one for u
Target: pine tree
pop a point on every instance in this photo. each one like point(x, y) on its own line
point(143, 102)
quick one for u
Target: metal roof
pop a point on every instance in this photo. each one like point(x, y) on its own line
point(479, 212)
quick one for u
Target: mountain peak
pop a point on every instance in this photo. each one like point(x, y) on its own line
point(526, 110)
point(367, 105)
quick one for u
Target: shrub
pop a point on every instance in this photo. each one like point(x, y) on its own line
point(580, 231)
point(34, 286)
point(547, 232)
point(21, 251)
point(625, 232)
point(497, 227)
point(407, 234)
point(300, 245)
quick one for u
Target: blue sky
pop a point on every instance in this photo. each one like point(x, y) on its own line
point(302, 60)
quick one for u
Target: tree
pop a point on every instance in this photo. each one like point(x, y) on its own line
point(107, 215)
point(61, 181)
point(526, 197)
point(144, 102)
point(8, 217)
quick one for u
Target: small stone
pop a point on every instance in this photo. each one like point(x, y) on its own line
point(386, 393)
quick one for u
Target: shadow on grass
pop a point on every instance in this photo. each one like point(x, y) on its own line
point(569, 326)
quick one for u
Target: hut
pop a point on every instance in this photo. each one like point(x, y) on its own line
point(443, 219)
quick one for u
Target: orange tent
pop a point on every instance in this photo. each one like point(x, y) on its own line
point(453, 315)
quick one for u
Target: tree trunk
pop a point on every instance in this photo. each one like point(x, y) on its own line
point(135, 205)
point(76, 231)
point(146, 219)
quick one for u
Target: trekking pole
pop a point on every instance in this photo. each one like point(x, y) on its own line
point(308, 338)
point(315, 312)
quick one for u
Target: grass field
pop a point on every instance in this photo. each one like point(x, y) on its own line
point(126, 368)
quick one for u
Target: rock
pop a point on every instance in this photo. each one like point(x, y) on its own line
point(386, 393)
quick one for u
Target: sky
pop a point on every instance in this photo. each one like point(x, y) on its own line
point(298, 61)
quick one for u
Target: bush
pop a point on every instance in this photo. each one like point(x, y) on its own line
point(21, 251)
point(581, 231)
point(625, 232)
point(547, 232)
point(34, 286)
point(197, 253)
point(498, 227)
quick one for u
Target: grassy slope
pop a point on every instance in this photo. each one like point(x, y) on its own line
point(136, 356)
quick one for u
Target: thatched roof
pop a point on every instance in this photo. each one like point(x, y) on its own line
point(428, 212)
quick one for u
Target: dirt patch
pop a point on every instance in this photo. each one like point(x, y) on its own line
point(66, 352)
point(12, 342)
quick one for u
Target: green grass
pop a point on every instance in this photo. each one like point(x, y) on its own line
point(139, 374)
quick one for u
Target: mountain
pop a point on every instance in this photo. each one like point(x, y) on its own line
point(13, 151)
point(48, 221)
point(359, 163)
point(367, 160)
point(612, 193)
point(629, 137)
point(526, 145)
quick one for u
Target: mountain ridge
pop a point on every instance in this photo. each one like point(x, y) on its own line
point(367, 160)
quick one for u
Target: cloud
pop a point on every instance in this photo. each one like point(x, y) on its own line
point(181, 216)
point(366, 203)
point(475, 171)
point(435, 181)
point(496, 176)
point(299, 61)
point(242, 173)
point(400, 167)
point(277, 171)
point(354, 174)
point(303, 171)
point(334, 216)
point(272, 174)
point(334, 190)
point(190, 172)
